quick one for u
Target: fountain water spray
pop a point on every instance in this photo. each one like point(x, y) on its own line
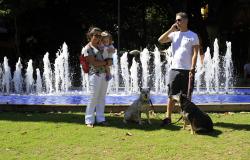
point(216, 66)
point(6, 76)
point(39, 86)
point(17, 78)
point(114, 82)
point(47, 74)
point(157, 70)
point(134, 76)
point(145, 57)
point(228, 66)
point(29, 80)
point(125, 72)
point(125, 80)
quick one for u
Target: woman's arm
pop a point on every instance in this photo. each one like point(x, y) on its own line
point(96, 63)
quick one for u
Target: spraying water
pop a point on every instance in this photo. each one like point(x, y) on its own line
point(17, 78)
point(209, 76)
point(114, 82)
point(134, 76)
point(216, 68)
point(29, 81)
point(157, 69)
point(47, 74)
point(125, 71)
point(145, 57)
point(125, 80)
point(6, 76)
point(38, 85)
point(228, 66)
point(199, 72)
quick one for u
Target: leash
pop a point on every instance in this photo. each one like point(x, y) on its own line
point(177, 120)
point(152, 104)
point(190, 86)
point(154, 110)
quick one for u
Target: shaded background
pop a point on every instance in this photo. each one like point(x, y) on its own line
point(30, 28)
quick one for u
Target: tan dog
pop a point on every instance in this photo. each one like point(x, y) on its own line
point(141, 105)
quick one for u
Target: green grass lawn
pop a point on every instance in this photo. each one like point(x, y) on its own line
point(64, 136)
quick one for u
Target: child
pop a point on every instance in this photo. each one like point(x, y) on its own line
point(108, 51)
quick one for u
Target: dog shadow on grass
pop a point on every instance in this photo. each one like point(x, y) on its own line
point(233, 126)
point(117, 122)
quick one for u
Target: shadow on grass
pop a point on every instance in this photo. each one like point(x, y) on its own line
point(77, 118)
point(156, 125)
point(117, 122)
point(233, 126)
point(43, 117)
point(214, 133)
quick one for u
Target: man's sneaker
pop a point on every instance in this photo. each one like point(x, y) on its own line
point(104, 123)
point(166, 121)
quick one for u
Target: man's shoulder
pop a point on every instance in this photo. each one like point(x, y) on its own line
point(192, 33)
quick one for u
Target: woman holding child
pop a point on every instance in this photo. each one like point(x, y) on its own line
point(97, 78)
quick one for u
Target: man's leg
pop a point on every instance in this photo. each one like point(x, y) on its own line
point(170, 107)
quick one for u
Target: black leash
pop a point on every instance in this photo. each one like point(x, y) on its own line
point(151, 104)
point(177, 120)
point(154, 110)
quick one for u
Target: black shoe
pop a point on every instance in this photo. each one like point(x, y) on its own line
point(104, 123)
point(166, 121)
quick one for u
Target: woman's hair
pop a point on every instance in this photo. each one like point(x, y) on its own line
point(92, 31)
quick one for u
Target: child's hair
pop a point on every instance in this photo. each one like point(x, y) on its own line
point(92, 30)
point(107, 34)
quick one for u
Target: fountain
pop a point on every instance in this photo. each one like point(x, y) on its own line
point(213, 82)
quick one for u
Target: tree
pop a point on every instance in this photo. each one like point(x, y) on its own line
point(13, 9)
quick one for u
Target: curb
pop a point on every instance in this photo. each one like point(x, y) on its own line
point(230, 107)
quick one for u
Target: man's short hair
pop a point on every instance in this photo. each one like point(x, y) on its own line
point(182, 15)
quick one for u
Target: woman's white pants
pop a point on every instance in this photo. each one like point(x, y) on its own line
point(98, 88)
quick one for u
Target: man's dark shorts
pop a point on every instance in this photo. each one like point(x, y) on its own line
point(178, 81)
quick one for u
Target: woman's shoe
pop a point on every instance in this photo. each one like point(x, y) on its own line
point(90, 125)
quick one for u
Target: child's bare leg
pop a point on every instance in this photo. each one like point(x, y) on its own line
point(108, 74)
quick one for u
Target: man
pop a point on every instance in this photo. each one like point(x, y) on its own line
point(185, 47)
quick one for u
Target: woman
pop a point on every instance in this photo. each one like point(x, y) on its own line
point(97, 81)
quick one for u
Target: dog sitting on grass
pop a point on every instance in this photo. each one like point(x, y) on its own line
point(200, 121)
point(140, 105)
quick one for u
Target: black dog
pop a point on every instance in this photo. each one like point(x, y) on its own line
point(200, 121)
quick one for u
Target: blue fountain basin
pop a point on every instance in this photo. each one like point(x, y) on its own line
point(237, 96)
